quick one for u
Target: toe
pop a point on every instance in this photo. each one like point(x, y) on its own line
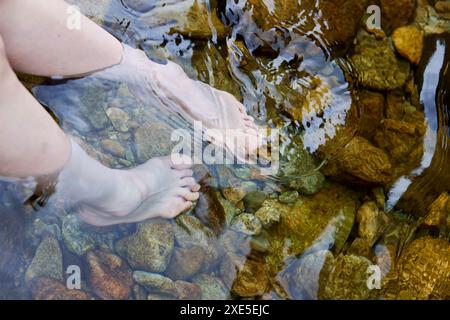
point(188, 182)
point(181, 162)
point(188, 195)
point(196, 188)
point(179, 207)
point(185, 173)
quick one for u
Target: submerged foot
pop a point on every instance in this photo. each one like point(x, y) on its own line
point(221, 113)
point(158, 188)
point(174, 90)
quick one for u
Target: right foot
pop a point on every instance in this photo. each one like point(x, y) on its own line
point(158, 188)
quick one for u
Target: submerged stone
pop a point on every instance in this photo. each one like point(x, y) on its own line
point(376, 65)
point(150, 248)
point(47, 261)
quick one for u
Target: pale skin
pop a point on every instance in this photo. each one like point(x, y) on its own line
point(34, 39)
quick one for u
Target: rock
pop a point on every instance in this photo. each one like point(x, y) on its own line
point(151, 140)
point(190, 18)
point(247, 223)
point(139, 292)
point(361, 247)
point(187, 291)
point(51, 289)
point(47, 261)
point(113, 147)
point(439, 213)
point(268, 215)
point(379, 197)
point(150, 248)
point(109, 276)
point(185, 263)
point(160, 297)
point(155, 283)
point(79, 241)
point(230, 209)
point(260, 243)
point(371, 109)
point(347, 280)
point(290, 197)
point(211, 287)
point(209, 210)
point(118, 118)
point(313, 223)
point(371, 222)
point(442, 6)
point(360, 163)
point(302, 277)
point(401, 108)
point(423, 271)
point(403, 142)
point(189, 232)
point(298, 168)
point(251, 281)
point(395, 14)
point(409, 43)
point(338, 20)
point(254, 200)
point(212, 68)
point(376, 65)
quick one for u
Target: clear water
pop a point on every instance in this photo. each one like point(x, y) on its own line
point(291, 78)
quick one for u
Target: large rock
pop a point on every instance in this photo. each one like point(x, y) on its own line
point(252, 280)
point(360, 163)
point(376, 65)
point(47, 261)
point(211, 287)
point(150, 248)
point(109, 276)
point(190, 232)
point(409, 43)
point(313, 223)
point(338, 20)
point(396, 14)
point(51, 289)
point(423, 271)
point(347, 280)
point(185, 263)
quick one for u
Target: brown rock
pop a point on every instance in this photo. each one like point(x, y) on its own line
point(347, 280)
point(371, 221)
point(109, 276)
point(338, 19)
point(51, 289)
point(371, 109)
point(439, 213)
point(395, 14)
point(185, 263)
point(113, 147)
point(398, 138)
point(251, 281)
point(187, 291)
point(360, 162)
point(424, 270)
point(409, 43)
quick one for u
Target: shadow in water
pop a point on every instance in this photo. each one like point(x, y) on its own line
point(433, 177)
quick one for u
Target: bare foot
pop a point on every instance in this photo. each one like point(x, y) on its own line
point(104, 196)
point(217, 110)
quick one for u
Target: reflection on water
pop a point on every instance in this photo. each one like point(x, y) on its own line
point(363, 155)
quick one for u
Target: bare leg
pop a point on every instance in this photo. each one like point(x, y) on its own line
point(39, 42)
point(31, 143)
